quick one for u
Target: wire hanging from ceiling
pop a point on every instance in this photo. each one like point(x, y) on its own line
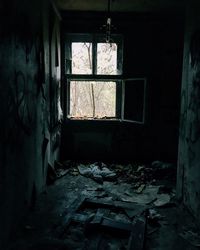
point(108, 26)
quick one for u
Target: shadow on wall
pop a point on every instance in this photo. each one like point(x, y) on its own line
point(92, 144)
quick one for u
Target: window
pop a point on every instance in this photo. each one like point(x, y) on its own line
point(95, 87)
point(81, 58)
point(92, 99)
point(90, 55)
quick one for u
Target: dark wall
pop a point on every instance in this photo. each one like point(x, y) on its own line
point(188, 185)
point(153, 45)
point(26, 137)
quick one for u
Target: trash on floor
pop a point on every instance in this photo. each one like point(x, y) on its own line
point(192, 237)
point(124, 208)
point(162, 200)
point(98, 172)
point(107, 221)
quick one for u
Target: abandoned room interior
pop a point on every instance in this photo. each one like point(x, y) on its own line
point(99, 124)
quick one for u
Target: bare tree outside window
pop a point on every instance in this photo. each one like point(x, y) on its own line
point(98, 102)
point(82, 58)
point(106, 58)
point(93, 99)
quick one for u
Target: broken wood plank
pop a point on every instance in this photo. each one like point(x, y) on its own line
point(101, 212)
point(137, 237)
point(67, 217)
point(72, 209)
point(109, 204)
point(137, 210)
point(79, 217)
point(111, 226)
point(118, 225)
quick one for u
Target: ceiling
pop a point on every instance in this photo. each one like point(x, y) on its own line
point(120, 5)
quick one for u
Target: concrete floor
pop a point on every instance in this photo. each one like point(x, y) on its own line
point(44, 226)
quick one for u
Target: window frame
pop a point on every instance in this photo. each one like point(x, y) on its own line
point(118, 78)
point(118, 97)
point(144, 79)
point(94, 39)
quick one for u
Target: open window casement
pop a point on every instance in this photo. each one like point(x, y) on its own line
point(134, 100)
point(95, 86)
point(119, 100)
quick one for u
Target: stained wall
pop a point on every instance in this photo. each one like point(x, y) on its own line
point(29, 131)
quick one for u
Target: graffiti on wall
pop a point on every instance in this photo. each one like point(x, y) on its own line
point(22, 69)
point(23, 103)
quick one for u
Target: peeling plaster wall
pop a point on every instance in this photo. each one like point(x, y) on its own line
point(188, 185)
point(26, 135)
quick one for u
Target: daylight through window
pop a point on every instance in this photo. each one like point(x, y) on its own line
point(95, 88)
point(92, 99)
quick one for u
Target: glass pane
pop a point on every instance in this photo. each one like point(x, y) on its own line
point(81, 58)
point(107, 59)
point(91, 99)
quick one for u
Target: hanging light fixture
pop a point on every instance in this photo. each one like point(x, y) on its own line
point(108, 26)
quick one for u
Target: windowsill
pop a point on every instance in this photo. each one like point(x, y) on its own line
point(92, 119)
point(82, 119)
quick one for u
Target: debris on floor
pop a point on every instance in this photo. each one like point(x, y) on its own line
point(96, 171)
point(55, 172)
point(98, 206)
point(137, 175)
point(110, 218)
point(162, 200)
point(192, 237)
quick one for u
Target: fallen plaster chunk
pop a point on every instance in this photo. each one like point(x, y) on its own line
point(154, 215)
point(125, 192)
point(138, 234)
point(162, 200)
point(146, 197)
point(96, 193)
point(138, 209)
